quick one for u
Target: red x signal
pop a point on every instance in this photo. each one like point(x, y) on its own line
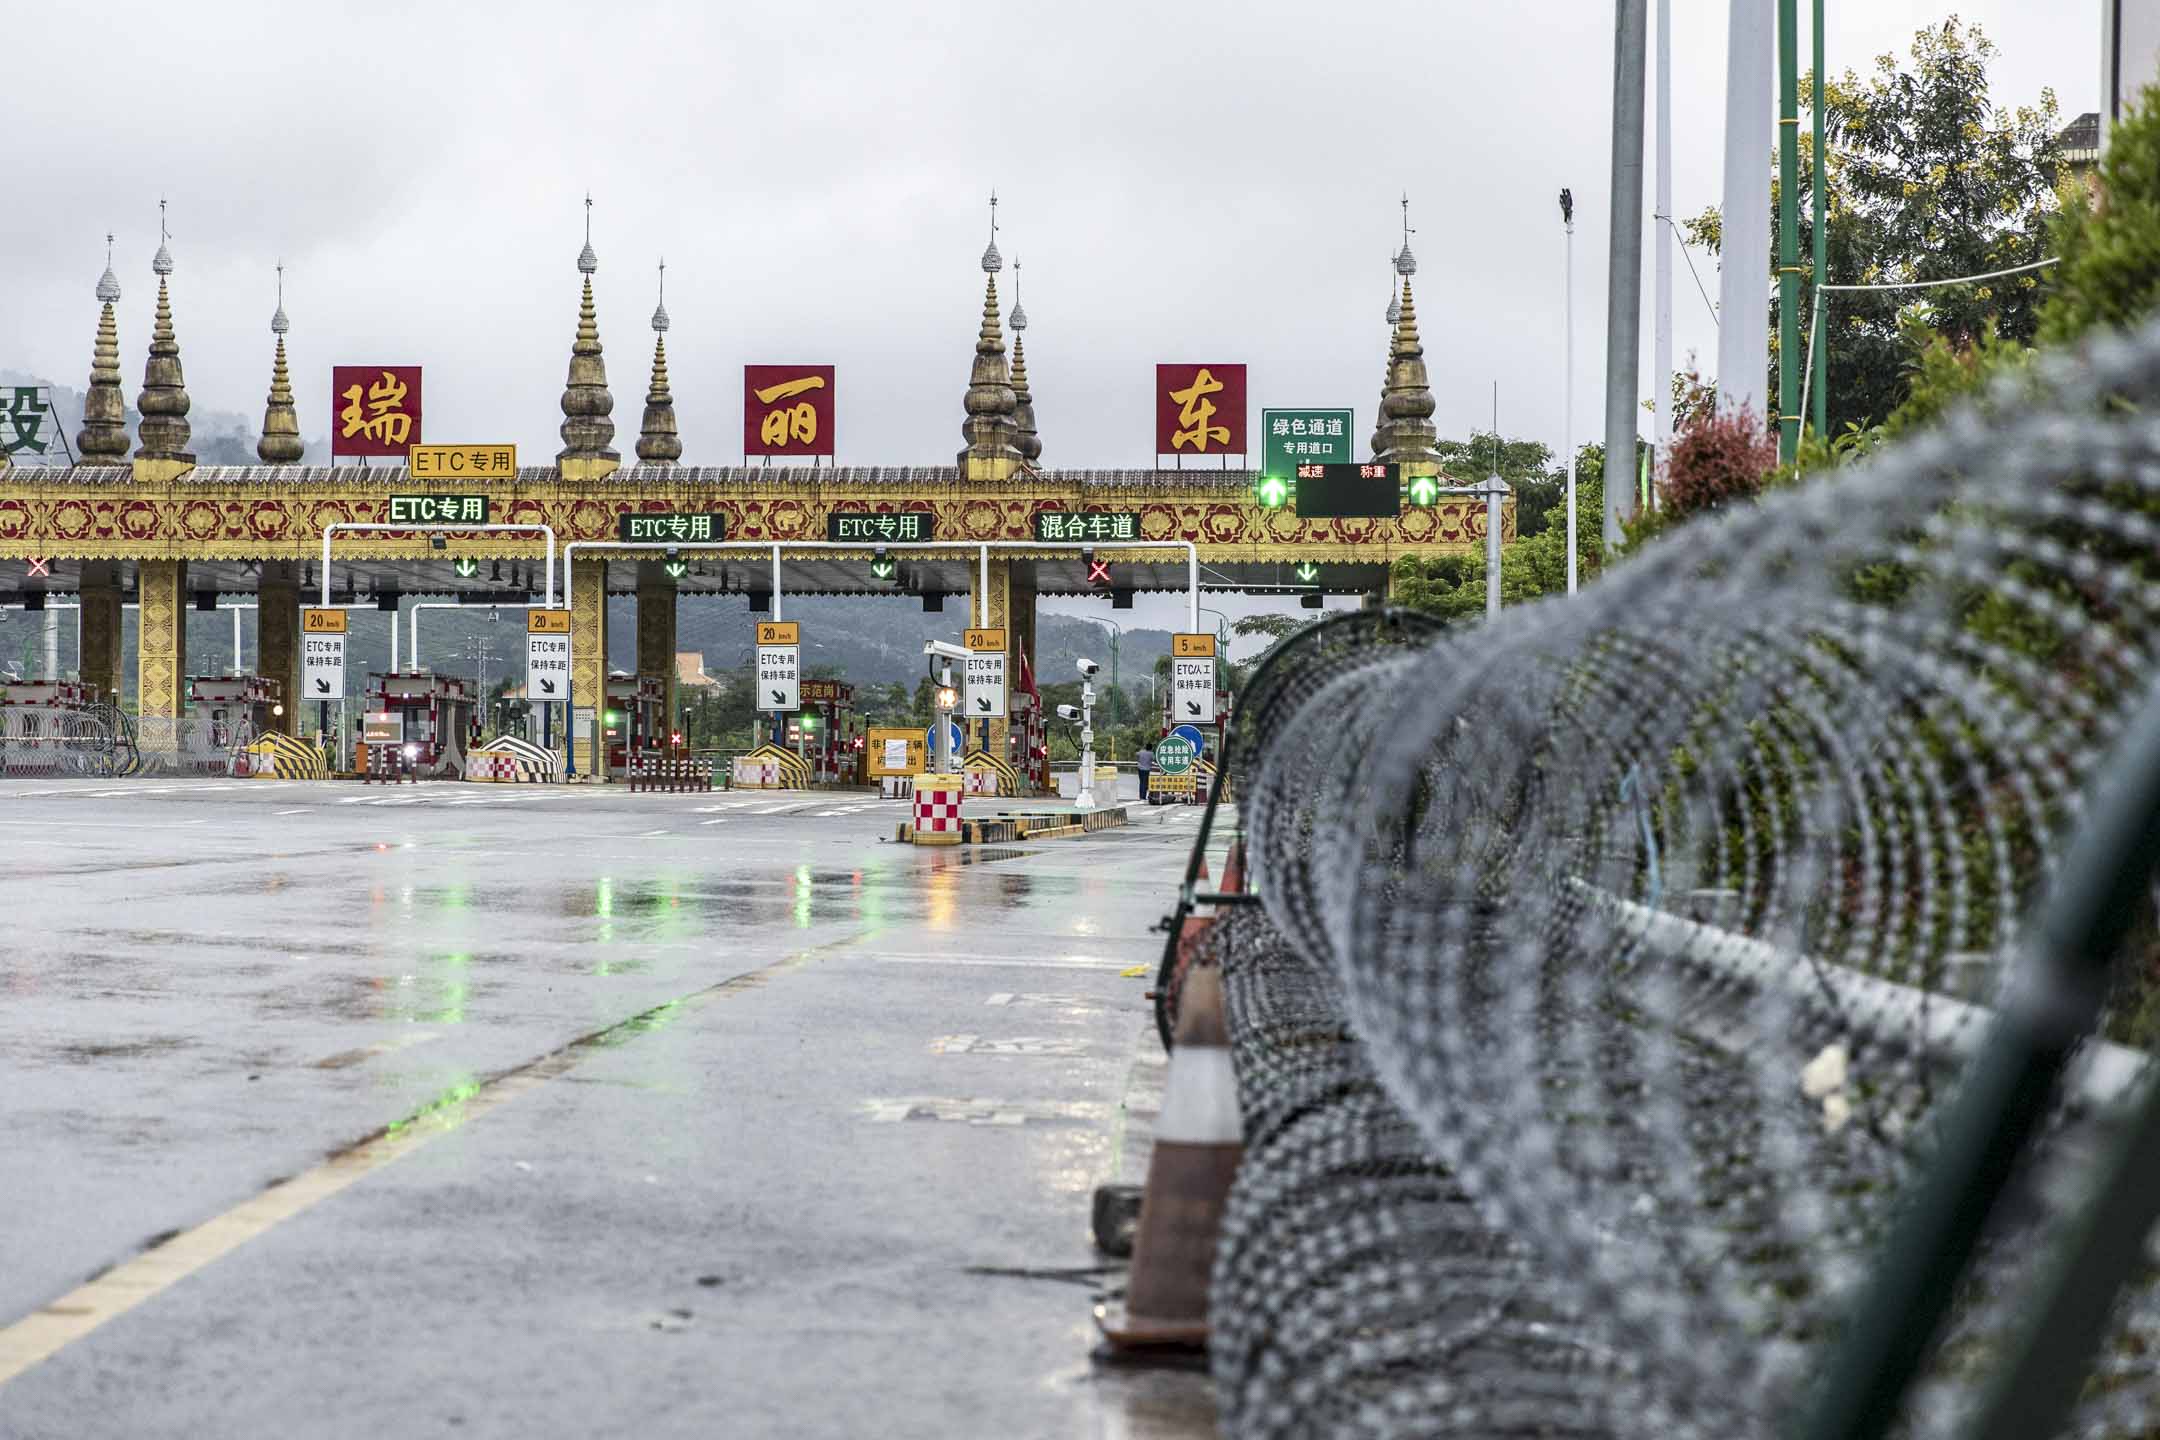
point(1098, 572)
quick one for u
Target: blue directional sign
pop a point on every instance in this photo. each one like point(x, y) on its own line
point(1192, 734)
point(959, 741)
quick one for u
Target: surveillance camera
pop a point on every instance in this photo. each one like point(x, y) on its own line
point(1089, 668)
point(1068, 712)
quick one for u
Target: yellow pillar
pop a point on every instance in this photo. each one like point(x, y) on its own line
point(656, 633)
point(993, 612)
point(277, 641)
point(588, 665)
point(161, 653)
point(101, 663)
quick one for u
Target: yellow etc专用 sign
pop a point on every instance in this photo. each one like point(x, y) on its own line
point(461, 462)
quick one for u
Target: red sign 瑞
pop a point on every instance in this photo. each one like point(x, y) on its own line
point(1199, 409)
point(374, 409)
point(787, 410)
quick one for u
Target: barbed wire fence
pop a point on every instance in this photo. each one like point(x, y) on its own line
point(1647, 985)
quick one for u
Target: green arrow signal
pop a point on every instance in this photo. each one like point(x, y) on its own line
point(1308, 572)
point(466, 569)
point(1424, 489)
point(1273, 492)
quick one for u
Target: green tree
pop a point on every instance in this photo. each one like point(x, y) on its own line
point(1453, 586)
point(1926, 181)
point(2110, 271)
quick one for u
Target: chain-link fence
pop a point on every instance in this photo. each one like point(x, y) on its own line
point(1607, 1035)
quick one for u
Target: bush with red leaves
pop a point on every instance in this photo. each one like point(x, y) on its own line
point(1722, 453)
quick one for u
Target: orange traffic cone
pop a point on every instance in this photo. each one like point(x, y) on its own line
point(1198, 1142)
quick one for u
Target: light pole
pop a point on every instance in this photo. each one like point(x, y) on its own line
point(1117, 634)
point(1567, 383)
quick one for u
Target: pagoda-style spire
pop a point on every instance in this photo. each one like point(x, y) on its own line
point(1025, 440)
point(280, 443)
point(103, 439)
point(587, 406)
point(658, 444)
point(1403, 265)
point(988, 428)
point(1406, 426)
point(163, 402)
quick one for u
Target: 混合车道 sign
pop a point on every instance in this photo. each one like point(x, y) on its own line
point(872, 529)
point(438, 509)
point(645, 527)
point(1087, 525)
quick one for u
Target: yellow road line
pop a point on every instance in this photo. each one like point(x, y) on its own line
point(45, 1332)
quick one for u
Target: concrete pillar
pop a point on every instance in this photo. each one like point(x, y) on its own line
point(161, 652)
point(101, 663)
point(277, 640)
point(656, 631)
point(589, 665)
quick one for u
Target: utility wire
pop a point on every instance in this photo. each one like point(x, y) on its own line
point(1707, 305)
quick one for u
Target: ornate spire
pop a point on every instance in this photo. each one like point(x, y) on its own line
point(103, 439)
point(280, 443)
point(1406, 429)
point(658, 444)
point(1025, 440)
point(164, 398)
point(586, 403)
point(988, 428)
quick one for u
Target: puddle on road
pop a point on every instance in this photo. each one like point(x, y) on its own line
point(92, 1052)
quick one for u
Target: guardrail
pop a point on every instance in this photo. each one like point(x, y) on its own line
point(1528, 1152)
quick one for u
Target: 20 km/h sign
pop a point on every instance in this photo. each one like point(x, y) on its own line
point(1192, 679)
point(547, 656)
point(322, 654)
point(983, 695)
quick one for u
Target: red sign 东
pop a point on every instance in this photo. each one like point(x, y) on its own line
point(374, 409)
point(1199, 409)
point(787, 410)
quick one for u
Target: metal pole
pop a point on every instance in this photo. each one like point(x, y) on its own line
point(1743, 364)
point(1661, 226)
point(1623, 311)
point(1788, 28)
point(776, 583)
point(54, 634)
point(1567, 425)
point(1495, 487)
point(1822, 245)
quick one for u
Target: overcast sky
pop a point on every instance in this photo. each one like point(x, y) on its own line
point(1194, 181)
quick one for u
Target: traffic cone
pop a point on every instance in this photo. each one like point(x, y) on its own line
point(1198, 1142)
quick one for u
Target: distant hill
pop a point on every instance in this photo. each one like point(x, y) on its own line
point(218, 437)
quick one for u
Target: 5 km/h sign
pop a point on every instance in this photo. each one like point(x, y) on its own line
point(984, 694)
point(1192, 679)
point(779, 665)
point(322, 654)
point(547, 656)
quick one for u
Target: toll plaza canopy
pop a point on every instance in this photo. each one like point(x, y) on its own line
point(156, 529)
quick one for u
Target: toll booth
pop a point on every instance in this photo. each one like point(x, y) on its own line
point(434, 713)
point(637, 719)
point(828, 733)
point(233, 711)
point(1027, 742)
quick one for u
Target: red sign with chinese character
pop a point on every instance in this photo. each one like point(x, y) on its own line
point(787, 409)
point(374, 409)
point(1199, 409)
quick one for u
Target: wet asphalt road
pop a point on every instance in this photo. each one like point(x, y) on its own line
point(691, 1114)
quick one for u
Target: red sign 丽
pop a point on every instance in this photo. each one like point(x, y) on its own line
point(374, 409)
point(1199, 409)
point(787, 410)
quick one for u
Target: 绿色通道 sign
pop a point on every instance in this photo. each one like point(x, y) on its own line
point(1290, 438)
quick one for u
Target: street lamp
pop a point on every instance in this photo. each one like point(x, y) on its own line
point(1567, 381)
